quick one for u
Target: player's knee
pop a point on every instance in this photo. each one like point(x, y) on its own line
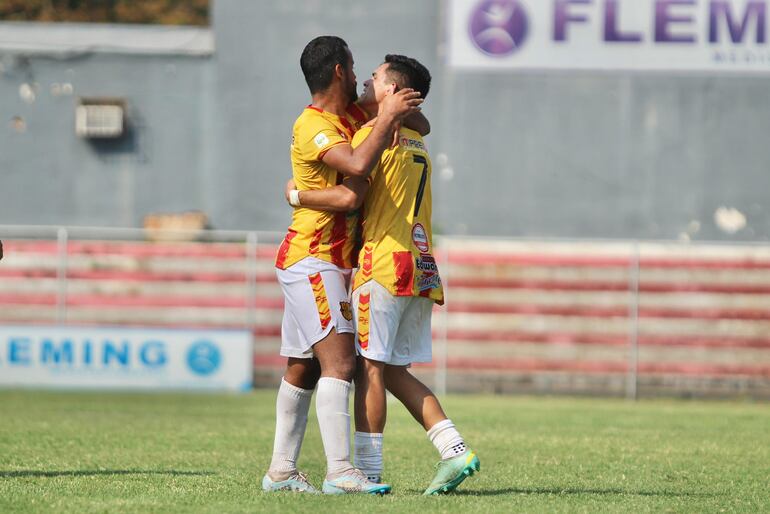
point(304, 375)
point(342, 369)
point(393, 374)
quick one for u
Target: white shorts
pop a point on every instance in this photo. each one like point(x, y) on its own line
point(316, 300)
point(392, 329)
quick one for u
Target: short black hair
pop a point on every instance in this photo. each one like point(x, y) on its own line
point(319, 59)
point(408, 72)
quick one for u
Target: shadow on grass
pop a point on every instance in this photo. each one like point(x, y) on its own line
point(558, 491)
point(95, 472)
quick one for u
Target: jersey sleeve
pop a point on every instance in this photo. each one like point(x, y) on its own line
point(316, 136)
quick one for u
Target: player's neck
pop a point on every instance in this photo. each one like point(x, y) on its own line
point(332, 101)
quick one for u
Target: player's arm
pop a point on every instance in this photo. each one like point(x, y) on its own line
point(359, 161)
point(341, 198)
point(418, 122)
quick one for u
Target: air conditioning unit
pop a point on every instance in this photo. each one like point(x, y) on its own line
point(100, 117)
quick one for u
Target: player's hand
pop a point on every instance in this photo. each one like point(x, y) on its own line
point(401, 104)
point(289, 186)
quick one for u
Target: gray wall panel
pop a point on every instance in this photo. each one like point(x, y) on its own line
point(69, 180)
point(529, 154)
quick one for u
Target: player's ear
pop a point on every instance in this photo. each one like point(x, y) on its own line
point(339, 70)
point(392, 88)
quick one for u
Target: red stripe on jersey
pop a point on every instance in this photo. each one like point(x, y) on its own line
point(315, 108)
point(283, 250)
point(339, 238)
point(358, 113)
point(350, 128)
point(315, 242)
point(339, 235)
point(404, 267)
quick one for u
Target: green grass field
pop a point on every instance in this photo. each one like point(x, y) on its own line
point(80, 452)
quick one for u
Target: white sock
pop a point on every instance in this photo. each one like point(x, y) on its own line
point(369, 454)
point(291, 410)
point(331, 405)
point(447, 439)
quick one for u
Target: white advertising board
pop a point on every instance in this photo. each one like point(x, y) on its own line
point(712, 36)
point(125, 358)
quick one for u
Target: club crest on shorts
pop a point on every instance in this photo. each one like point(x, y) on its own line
point(345, 310)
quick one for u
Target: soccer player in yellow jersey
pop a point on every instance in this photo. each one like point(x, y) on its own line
point(396, 286)
point(314, 265)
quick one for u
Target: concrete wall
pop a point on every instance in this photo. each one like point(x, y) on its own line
point(522, 154)
point(48, 175)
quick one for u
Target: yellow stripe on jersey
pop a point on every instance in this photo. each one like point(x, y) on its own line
point(325, 235)
point(397, 234)
point(321, 300)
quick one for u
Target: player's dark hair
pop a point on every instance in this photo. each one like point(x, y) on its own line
point(408, 72)
point(319, 59)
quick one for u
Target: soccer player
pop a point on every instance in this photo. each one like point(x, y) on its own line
point(396, 285)
point(314, 265)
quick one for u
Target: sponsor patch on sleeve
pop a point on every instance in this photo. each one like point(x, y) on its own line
point(321, 140)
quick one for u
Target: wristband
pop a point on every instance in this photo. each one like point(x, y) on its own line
point(294, 198)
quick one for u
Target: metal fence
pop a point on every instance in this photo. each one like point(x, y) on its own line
point(588, 317)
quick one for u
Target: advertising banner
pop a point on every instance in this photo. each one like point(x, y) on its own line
point(711, 36)
point(125, 358)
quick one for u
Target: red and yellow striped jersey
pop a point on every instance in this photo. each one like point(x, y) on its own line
point(397, 237)
point(325, 235)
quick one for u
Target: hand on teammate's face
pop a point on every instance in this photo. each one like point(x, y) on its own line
point(401, 104)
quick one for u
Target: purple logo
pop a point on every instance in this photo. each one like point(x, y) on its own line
point(498, 27)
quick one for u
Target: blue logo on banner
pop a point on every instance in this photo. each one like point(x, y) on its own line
point(204, 358)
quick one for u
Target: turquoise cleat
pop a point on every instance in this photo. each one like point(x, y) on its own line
point(451, 472)
point(354, 482)
point(296, 483)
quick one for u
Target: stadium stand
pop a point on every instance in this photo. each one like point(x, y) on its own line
point(534, 317)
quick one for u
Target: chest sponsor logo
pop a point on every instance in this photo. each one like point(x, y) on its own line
point(426, 263)
point(420, 238)
point(321, 140)
point(412, 143)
